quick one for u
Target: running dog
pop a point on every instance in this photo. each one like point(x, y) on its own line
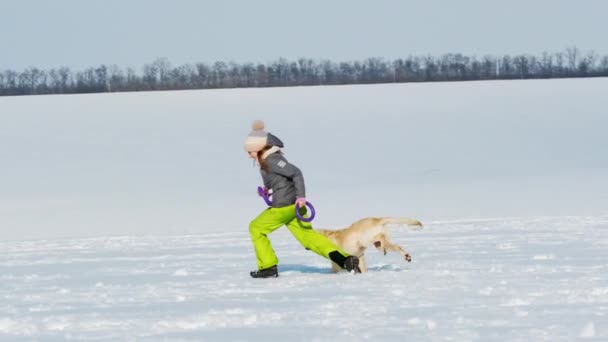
point(366, 232)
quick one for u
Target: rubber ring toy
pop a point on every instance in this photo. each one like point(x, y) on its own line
point(266, 199)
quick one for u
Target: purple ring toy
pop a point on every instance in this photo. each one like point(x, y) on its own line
point(264, 195)
point(312, 213)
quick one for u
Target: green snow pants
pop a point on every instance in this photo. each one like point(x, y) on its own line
point(272, 219)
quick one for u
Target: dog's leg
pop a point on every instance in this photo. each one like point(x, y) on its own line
point(362, 264)
point(384, 245)
point(395, 248)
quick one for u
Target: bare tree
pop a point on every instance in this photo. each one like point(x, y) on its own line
point(182, 77)
point(489, 67)
point(101, 78)
point(31, 79)
point(559, 69)
point(249, 75)
point(151, 76)
point(262, 75)
point(294, 72)
point(547, 65)
point(572, 54)
point(430, 68)
point(163, 68)
point(305, 71)
point(220, 72)
point(604, 66)
point(11, 79)
point(134, 83)
point(116, 79)
point(65, 76)
point(506, 67)
point(522, 66)
point(24, 82)
point(587, 64)
point(203, 75)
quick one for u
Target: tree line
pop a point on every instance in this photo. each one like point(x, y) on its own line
point(161, 75)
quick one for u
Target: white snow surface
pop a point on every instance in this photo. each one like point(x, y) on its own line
point(538, 279)
point(124, 216)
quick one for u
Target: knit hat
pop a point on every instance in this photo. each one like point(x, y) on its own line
point(259, 138)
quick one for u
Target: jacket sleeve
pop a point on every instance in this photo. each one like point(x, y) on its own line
point(265, 179)
point(286, 169)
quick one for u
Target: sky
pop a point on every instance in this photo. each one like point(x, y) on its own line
point(79, 34)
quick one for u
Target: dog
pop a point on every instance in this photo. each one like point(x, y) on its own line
point(366, 232)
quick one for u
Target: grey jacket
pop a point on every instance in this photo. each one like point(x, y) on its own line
point(285, 180)
point(273, 140)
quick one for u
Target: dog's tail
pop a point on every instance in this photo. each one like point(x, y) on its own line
point(412, 223)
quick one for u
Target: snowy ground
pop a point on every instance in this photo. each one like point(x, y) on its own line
point(167, 163)
point(538, 279)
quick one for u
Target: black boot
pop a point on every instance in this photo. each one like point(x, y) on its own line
point(270, 272)
point(352, 264)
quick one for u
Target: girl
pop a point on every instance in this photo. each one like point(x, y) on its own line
point(287, 185)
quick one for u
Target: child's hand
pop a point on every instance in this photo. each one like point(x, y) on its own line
point(301, 202)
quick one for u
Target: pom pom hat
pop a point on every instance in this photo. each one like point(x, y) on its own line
point(259, 138)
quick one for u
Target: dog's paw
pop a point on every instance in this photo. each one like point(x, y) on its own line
point(408, 258)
